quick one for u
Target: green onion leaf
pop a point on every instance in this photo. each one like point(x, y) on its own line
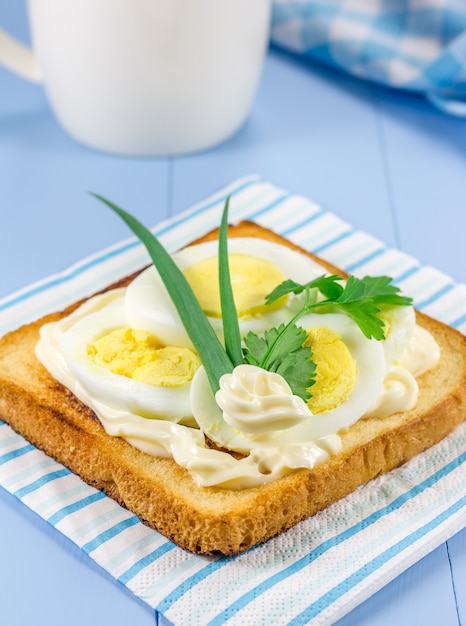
point(211, 352)
point(229, 315)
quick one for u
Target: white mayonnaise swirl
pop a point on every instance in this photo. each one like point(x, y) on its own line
point(399, 393)
point(422, 353)
point(400, 388)
point(256, 401)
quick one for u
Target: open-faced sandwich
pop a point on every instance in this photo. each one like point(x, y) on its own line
point(234, 388)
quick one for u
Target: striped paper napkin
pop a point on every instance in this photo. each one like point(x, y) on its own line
point(325, 566)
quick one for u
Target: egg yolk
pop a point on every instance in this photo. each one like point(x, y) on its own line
point(251, 278)
point(335, 369)
point(138, 355)
point(172, 366)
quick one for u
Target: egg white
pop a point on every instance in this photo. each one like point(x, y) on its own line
point(401, 324)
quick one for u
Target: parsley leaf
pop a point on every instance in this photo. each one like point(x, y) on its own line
point(255, 350)
point(327, 285)
point(362, 299)
point(283, 289)
point(298, 369)
point(382, 291)
point(365, 314)
point(281, 350)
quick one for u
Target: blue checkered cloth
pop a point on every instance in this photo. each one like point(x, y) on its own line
point(415, 45)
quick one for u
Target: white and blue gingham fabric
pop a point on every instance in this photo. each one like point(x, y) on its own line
point(416, 45)
point(323, 567)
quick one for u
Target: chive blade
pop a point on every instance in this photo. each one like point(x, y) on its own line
point(211, 352)
point(229, 315)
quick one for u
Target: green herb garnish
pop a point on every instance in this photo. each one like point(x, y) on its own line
point(229, 315)
point(211, 352)
point(362, 299)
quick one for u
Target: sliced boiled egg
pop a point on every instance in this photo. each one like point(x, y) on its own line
point(349, 375)
point(256, 267)
point(127, 369)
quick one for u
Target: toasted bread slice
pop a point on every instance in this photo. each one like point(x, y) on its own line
point(212, 520)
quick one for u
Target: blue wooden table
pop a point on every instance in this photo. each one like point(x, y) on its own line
point(387, 162)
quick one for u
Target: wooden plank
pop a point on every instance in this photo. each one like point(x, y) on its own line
point(422, 595)
point(426, 168)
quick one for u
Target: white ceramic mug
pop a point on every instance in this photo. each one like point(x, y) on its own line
point(145, 77)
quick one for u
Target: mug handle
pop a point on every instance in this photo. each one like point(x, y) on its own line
point(19, 58)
